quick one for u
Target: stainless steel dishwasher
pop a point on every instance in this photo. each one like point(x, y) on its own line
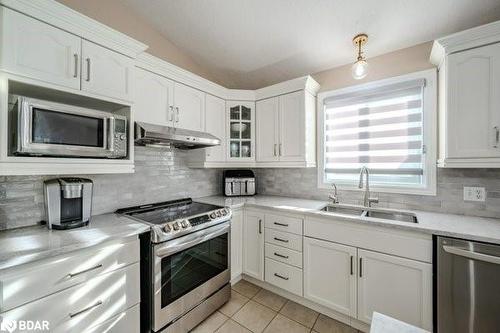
point(468, 286)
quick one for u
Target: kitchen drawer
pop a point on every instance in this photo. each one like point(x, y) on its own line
point(284, 223)
point(89, 304)
point(402, 243)
point(127, 321)
point(284, 276)
point(284, 255)
point(35, 280)
point(285, 239)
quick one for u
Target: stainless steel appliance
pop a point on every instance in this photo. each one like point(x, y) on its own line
point(468, 289)
point(166, 136)
point(239, 183)
point(68, 202)
point(43, 128)
point(187, 263)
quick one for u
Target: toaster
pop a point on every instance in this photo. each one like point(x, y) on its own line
point(238, 183)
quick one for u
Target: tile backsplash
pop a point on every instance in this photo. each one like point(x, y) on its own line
point(163, 175)
point(302, 183)
point(160, 175)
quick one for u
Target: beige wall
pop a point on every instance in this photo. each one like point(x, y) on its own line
point(115, 14)
point(404, 61)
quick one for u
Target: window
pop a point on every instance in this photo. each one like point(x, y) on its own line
point(388, 126)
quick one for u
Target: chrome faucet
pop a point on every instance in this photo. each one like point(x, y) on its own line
point(334, 196)
point(367, 201)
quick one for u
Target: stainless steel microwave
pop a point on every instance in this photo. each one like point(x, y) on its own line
point(42, 128)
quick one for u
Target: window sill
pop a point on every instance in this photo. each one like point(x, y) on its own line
point(382, 189)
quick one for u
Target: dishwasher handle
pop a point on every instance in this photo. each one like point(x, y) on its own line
point(471, 254)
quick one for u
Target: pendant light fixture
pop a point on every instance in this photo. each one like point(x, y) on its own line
point(360, 67)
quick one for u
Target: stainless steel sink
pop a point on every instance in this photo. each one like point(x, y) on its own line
point(346, 210)
point(371, 212)
point(391, 215)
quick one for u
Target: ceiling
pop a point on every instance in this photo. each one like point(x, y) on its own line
point(249, 44)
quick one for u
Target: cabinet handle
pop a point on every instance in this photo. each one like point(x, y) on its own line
point(177, 109)
point(275, 149)
point(280, 255)
point(352, 268)
point(497, 136)
point(171, 109)
point(281, 277)
point(281, 240)
point(75, 72)
point(88, 69)
point(281, 224)
point(71, 275)
point(280, 149)
point(360, 267)
point(260, 226)
point(88, 308)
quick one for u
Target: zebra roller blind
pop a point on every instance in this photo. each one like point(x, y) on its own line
point(380, 128)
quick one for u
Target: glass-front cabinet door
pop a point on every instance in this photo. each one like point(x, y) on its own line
point(241, 129)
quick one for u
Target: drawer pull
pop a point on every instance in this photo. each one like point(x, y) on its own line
point(71, 275)
point(281, 224)
point(280, 255)
point(98, 303)
point(281, 277)
point(281, 240)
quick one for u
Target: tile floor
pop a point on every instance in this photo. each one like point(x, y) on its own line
point(252, 309)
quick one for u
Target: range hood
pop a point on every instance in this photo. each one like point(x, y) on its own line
point(165, 136)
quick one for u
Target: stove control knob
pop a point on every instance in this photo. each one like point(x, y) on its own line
point(167, 228)
point(217, 213)
point(212, 216)
point(224, 211)
point(184, 223)
point(176, 226)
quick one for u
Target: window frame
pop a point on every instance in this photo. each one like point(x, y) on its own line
point(429, 98)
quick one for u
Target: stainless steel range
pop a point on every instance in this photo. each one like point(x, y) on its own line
point(185, 263)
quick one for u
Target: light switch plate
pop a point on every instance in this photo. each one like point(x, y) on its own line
point(474, 193)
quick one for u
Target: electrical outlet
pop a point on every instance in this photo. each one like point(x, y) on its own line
point(474, 193)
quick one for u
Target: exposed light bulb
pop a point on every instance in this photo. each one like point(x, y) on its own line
point(359, 69)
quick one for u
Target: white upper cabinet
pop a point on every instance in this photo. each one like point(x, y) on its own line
point(215, 124)
point(267, 120)
point(37, 50)
point(330, 275)
point(469, 102)
point(153, 102)
point(240, 127)
point(189, 108)
point(105, 72)
point(398, 287)
point(286, 130)
point(474, 103)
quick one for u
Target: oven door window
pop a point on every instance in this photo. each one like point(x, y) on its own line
point(188, 269)
point(52, 127)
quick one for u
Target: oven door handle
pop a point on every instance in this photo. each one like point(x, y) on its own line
point(182, 243)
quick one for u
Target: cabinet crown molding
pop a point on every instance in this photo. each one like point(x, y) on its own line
point(463, 40)
point(159, 66)
point(58, 15)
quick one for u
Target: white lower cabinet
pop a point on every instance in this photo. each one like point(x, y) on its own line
point(397, 287)
point(79, 308)
point(330, 275)
point(236, 244)
point(253, 244)
point(284, 276)
point(126, 321)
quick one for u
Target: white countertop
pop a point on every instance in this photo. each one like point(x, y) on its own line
point(460, 226)
point(23, 245)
